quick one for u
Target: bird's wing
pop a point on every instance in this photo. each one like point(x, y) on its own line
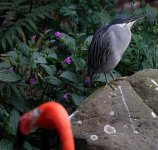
point(98, 50)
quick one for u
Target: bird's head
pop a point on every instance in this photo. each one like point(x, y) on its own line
point(127, 21)
point(29, 121)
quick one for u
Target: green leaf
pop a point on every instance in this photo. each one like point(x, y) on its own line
point(68, 41)
point(39, 59)
point(79, 62)
point(10, 130)
point(4, 43)
point(109, 77)
point(4, 65)
point(6, 144)
point(19, 30)
point(24, 49)
point(52, 55)
point(14, 119)
point(9, 77)
point(19, 104)
point(49, 69)
point(32, 24)
point(53, 80)
point(88, 41)
point(2, 4)
point(2, 86)
point(15, 90)
point(77, 99)
point(79, 86)
point(71, 76)
point(27, 146)
point(12, 54)
point(10, 40)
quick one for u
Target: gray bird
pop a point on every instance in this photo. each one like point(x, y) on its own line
point(108, 45)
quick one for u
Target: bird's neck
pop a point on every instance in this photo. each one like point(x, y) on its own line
point(56, 117)
point(125, 26)
point(66, 138)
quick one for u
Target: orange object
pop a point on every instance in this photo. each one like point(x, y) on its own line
point(50, 115)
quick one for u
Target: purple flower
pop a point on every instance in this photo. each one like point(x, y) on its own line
point(67, 60)
point(32, 81)
point(11, 69)
point(88, 81)
point(65, 96)
point(58, 34)
point(34, 37)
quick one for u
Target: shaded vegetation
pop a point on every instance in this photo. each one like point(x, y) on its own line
point(43, 46)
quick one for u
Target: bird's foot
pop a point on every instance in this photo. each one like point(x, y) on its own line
point(121, 78)
point(113, 82)
point(110, 84)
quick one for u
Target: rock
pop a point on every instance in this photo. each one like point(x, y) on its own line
point(117, 120)
point(145, 83)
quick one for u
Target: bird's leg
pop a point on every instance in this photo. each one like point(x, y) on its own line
point(115, 79)
point(106, 79)
point(112, 75)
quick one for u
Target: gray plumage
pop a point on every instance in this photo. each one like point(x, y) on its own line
point(108, 45)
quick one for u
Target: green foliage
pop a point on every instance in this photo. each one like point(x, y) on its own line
point(6, 144)
point(33, 60)
point(19, 22)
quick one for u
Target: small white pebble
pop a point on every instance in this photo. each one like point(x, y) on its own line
point(125, 126)
point(156, 88)
point(109, 96)
point(109, 129)
point(94, 137)
point(104, 101)
point(79, 122)
point(135, 131)
point(111, 113)
point(153, 115)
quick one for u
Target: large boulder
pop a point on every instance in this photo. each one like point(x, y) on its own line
point(120, 119)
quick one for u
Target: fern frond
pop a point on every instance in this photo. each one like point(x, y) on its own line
point(18, 28)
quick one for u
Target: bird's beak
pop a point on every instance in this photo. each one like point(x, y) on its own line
point(134, 19)
point(131, 21)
